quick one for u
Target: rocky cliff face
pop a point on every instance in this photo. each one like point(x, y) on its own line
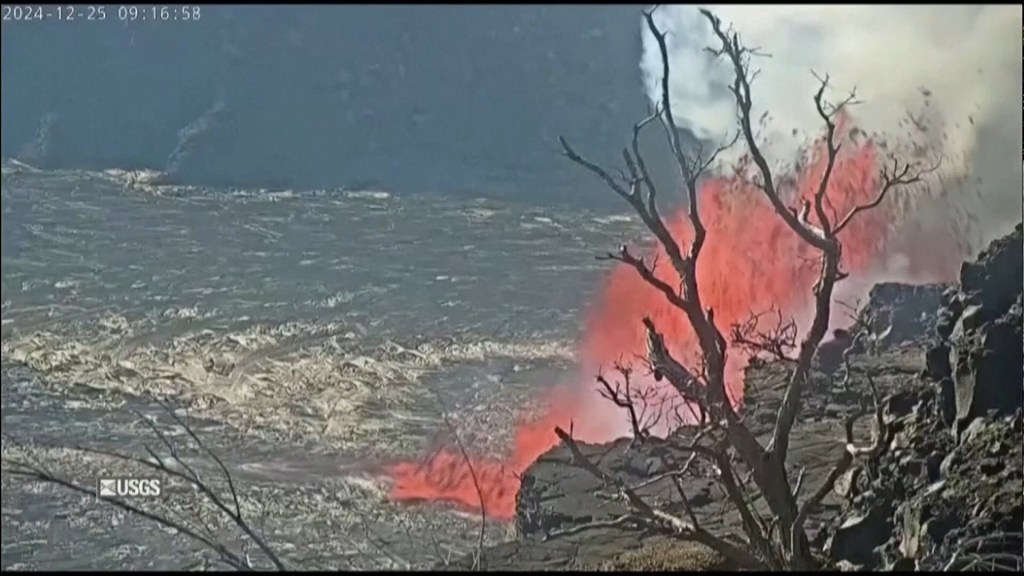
point(947, 491)
point(462, 98)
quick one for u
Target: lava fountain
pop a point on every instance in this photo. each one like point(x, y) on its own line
point(751, 262)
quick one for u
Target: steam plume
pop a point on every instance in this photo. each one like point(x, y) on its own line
point(956, 68)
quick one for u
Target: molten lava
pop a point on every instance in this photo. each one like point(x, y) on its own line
point(751, 262)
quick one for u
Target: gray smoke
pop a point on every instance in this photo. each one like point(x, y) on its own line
point(957, 69)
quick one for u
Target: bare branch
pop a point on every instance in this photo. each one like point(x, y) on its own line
point(850, 452)
point(623, 399)
point(645, 175)
point(202, 535)
point(832, 149)
point(647, 211)
point(778, 340)
point(638, 264)
point(892, 177)
point(37, 473)
point(594, 168)
point(799, 482)
point(625, 519)
point(691, 167)
point(236, 513)
point(751, 521)
point(656, 518)
point(478, 558)
point(738, 56)
point(665, 366)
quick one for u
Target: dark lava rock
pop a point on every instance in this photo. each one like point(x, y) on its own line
point(856, 539)
point(556, 497)
point(829, 357)
point(932, 499)
point(897, 314)
point(982, 347)
point(904, 467)
point(988, 367)
point(995, 277)
point(981, 499)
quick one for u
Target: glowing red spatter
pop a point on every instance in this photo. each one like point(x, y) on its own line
point(751, 262)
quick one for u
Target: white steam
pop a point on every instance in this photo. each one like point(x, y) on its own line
point(958, 66)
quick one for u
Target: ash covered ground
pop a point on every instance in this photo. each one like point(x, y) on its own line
point(313, 334)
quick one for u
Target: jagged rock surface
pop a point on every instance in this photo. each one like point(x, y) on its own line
point(900, 314)
point(947, 490)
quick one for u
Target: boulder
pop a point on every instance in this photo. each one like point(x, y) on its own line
point(859, 535)
point(988, 366)
point(981, 347)
point(555, 494)
point(995, 277)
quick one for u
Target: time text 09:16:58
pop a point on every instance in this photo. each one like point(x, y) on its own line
point(96, 13)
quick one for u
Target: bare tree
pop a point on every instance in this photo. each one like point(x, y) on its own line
point(225, 502)
point(223, 497)
point(725, 440)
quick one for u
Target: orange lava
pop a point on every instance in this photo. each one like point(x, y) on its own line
point(751, 262)
point(447, 477)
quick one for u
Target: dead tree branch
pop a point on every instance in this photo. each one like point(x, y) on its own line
point(851, 452)
point(478, 557)
point(703, 385)
point(739, 58)
point(625, 396)
point(777, 341)
point(176, 467)
point(38, 473)
point(893, 176)
point(647, 273)
point(653, 517)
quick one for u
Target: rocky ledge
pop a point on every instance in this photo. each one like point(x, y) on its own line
point(944, 492)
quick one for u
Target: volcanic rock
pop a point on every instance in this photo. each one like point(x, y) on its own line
point(899, 314)
point(556, 494)
point(829, 357)
point(858, 536)
point(946, 491)
point(557, 498)
point(982, 334)
point(905, 466)
point(995, 276)
point(987, 366)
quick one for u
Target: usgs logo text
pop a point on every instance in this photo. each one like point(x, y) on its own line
point(128, 487)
